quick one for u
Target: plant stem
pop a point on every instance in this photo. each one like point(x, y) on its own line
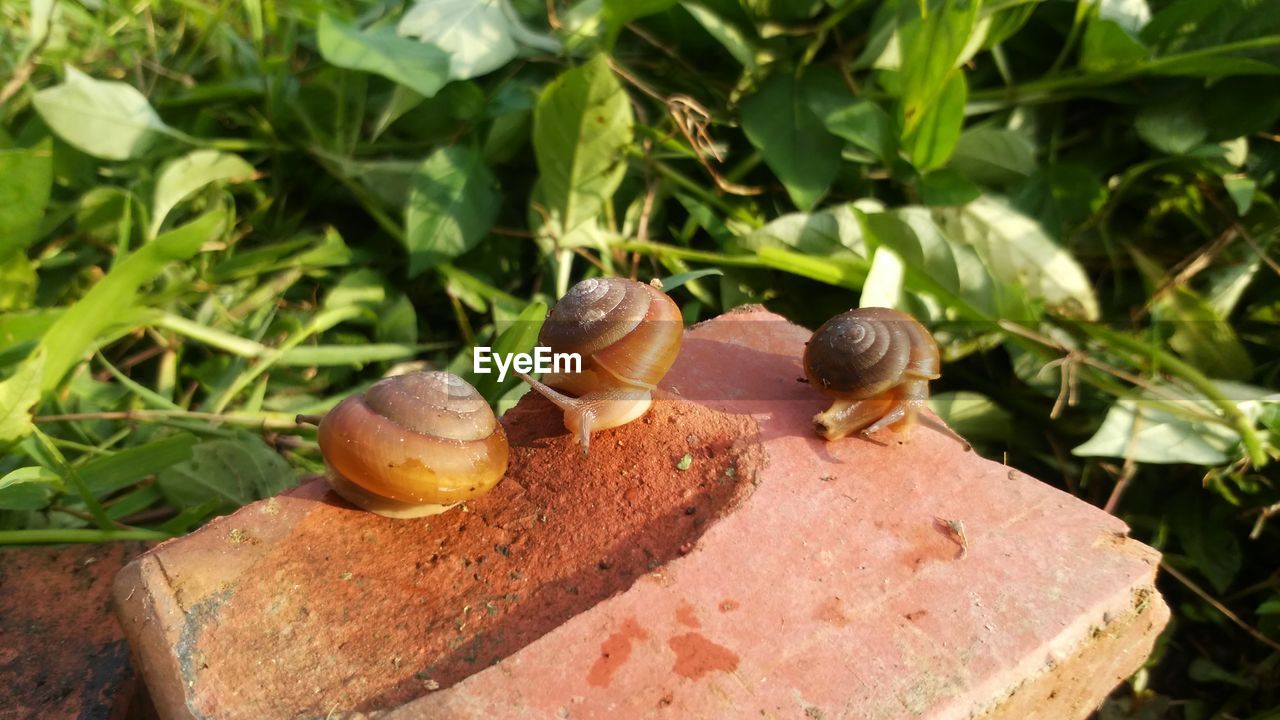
point(266, 421)
point(675, 176)
point(77, 535)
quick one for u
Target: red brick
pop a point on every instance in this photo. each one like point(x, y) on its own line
point(62, 653)
point(828, 587)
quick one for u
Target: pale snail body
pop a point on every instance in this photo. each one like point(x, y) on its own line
point(413, 445)
point(628, 335)
point(876, 364)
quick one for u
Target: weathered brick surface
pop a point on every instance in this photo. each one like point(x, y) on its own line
point(828, 587)
point(62, 653)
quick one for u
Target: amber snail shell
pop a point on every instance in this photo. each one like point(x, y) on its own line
point(876, 364)
point(628, 335)
point(413, 445)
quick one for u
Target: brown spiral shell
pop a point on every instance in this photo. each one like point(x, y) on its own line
point(627, 332)
point(865, 352)
point(413, 444)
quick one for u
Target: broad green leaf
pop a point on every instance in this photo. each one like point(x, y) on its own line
point(520, 337)
point(726, 33)
point(182, 177)
point(1175, 128)
point(419, 66)
point(18, 283)
point(992, 156)
point(477, 35)
point(18, 395)
point(451, 206)
point(931, 142)
point(76, 332)
point(946, 187)
point(1020, 254)
point(1146, 433)
point(779, 123)
point(940, 267)
point(109, 473)
point(973, 415)
point(28, 488)
point(618, 13)
point(582, 127)
point(674, 281)
point(1207, 537)
point(26, 177)
point(1195, 330)
point(931, 47)
point(884, 281)
point(861, 122)
point(1242, 189)
point(1106, 46)
point(1168, 427)
point(104, 118)
point(830, 231)
point(230, 472)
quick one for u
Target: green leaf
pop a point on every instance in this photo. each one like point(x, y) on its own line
point(973, 415)
point(1207, 538)
point(1106, 46)
point(674, 281)
point(18, 394)
point(946, 187)
point(520, 337)
point(477, 35)
point(938, 266)
point(883, 287)
point(76, 332)
point(423, 68)
point(1175, 128)
point(618, 13)
point(26, 177)
point(793, 141)
point(861, 122)
point(1199, 334)
point(109, 473)
point(931, 49)
point(931, 142)
point(182, 177)
point(827, 232)
point(451, 206)
point(230, 472)
point(1242, 189)
point(993, 156)
point(18, 282)
point(1168, 427)
point(1020, 254)
point(582, 127)
point(106, 119)
point(726, 33)
point(28, 488)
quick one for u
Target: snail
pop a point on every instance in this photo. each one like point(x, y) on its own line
point(628, 335)
point(413, 445)
point(876, 363)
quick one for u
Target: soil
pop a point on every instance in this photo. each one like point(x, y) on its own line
point(390, 609)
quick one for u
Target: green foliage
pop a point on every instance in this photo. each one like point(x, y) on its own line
point(234, 213)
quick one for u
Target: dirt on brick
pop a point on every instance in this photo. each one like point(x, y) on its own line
point(62, 653)
point(391, 609)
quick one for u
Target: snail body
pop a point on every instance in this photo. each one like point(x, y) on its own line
point(628, 335)
point(413, 445)
point(876, 364)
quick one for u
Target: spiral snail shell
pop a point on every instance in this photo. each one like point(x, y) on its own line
point(413, 445)
point(876, 363)
point(628, 335)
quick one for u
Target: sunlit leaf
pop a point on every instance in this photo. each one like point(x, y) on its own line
point(417, 65)
point(451, 206)
point(104, 118)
